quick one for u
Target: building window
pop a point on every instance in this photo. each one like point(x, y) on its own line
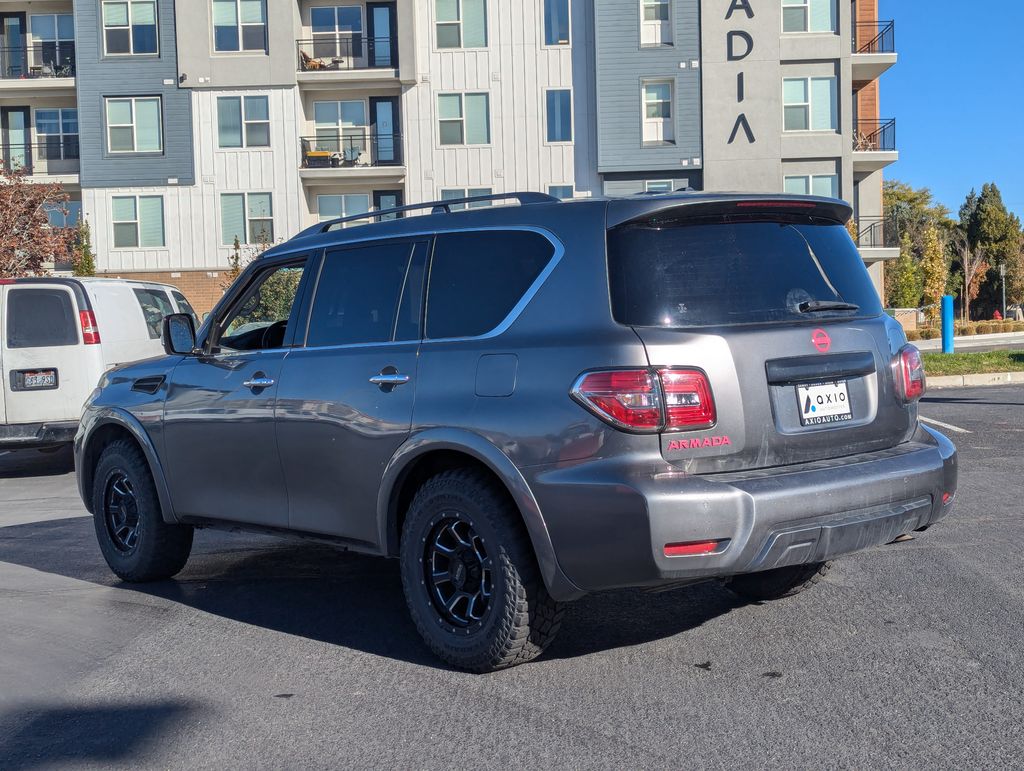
point(559, 115)
point(129, 27)
point(239, 25)
point(655, 22)
point(461, 23)
point(808, 15)
point(826, 185)
point(332, 207)
point(455, 193)
point(659, 186)
point(138, 221)
point(464, 119)
point(243, 121)
point(249, 217)
point(67, 214)
point(57, 131)
point(134, 125)
point(658, 122)
point(341, 127)
point(556, 22)
point(562, 192)
point(337, 31)
point(810, 104)
point(53, 38)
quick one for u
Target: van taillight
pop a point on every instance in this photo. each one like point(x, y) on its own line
point(648, 400)
point(90, 332)
point(910, 379)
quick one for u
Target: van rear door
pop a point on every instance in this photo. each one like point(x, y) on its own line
point(775, 307)
point(47, 371)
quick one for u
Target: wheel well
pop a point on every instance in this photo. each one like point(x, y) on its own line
point(419, 471)
point(100, 439)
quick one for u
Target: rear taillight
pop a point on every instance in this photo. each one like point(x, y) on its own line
point(910, 379)
point(90, 332)
point(648, 400)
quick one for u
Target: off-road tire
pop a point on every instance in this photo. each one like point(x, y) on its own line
point(161, 550)
point(521, 619)
point(778, 583)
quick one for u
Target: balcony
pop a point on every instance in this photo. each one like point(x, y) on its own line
point(875, 240)
point(38, 66)
point(874, 49)
point(335, 59)
point(351, 156)
point(54, 159)
point(874, 144)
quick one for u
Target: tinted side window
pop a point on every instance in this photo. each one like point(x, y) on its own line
point(476, 279)
point(155, 306)
point(185, 307)
point(39, 318)
point(357, 295)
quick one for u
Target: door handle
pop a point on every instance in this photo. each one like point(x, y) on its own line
point(391, 379)
point(256, 382)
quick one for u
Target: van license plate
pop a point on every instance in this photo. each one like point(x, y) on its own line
point(822, 403)
point(43, 378)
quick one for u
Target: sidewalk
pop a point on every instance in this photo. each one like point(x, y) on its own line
point(981, 379)
point(972, 341)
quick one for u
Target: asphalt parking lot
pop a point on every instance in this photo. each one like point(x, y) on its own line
point(272, 654)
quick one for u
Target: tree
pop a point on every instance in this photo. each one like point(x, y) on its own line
point(990, 225)
point(83, 262)
point(974, 263)
point(1015, 277)
point(909, 211)
point(27, 240)
point(934, 271)
point(903, 283)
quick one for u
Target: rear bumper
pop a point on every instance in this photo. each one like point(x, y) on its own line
point(610, 519)
point(28, 436)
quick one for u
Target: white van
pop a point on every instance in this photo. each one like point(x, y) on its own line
point(59, 335)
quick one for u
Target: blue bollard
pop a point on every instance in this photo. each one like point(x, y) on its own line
point(947, 324)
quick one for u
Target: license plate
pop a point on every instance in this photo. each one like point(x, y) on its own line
point(822, 403)
point(44, 378)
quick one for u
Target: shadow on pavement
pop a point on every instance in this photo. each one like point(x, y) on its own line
point(36, 463)
point(120, 733)
point(321, 593)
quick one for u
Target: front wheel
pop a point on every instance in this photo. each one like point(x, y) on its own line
point(470, 577)
point(136, 542)
point(778, 583)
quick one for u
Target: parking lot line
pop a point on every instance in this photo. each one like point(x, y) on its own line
point(940, 424)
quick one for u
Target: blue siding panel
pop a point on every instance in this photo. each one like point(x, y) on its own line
point(622, 65)
point(100, 76)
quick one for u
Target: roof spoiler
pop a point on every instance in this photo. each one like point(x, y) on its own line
point(630, 210)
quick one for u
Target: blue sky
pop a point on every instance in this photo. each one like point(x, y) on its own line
point(957, 94)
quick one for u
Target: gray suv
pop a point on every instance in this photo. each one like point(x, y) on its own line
point(526, 403)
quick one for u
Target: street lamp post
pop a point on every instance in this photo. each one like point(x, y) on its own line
point(1002, 276)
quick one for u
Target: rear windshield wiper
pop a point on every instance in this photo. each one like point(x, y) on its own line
point(812, 306)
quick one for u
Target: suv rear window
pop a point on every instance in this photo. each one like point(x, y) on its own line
point(40, 318)
point(709, 273)
point(476, 279)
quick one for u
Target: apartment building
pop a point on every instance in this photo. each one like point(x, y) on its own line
point(182, 127)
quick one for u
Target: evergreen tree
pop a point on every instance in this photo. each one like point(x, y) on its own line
point(84, 263)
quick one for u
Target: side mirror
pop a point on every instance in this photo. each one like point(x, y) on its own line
point(179, 334)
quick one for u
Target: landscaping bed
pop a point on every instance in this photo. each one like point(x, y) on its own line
point(937, 364)
point(961, 329)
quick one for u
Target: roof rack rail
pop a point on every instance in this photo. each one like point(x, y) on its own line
point(436, 207)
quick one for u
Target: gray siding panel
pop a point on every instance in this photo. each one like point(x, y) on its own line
point(622, 65)
point(100, 76)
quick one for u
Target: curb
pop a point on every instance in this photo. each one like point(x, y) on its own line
point(970, 341)
point(984, 379)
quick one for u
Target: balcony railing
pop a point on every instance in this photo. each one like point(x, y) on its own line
point(51, 156)
point(874, 37)
point(38, 60)
point(876, 233)
point(351, 150)
point(875, 136)
point(340, 52)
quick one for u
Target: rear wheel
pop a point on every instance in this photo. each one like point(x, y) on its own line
point(136, 542)
point(470, 577)
point(778, 583)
